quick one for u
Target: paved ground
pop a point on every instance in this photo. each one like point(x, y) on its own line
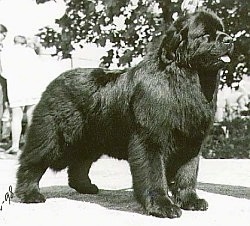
point(224, 183)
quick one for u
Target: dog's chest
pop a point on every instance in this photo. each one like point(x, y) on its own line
point(174, 104)
point(190, 111)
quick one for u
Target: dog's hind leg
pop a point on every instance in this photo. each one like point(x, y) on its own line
point(28, 177)
point(36, 157)
point(40, 151)
point(78, 178)
point(149, 184)
point(184, 187)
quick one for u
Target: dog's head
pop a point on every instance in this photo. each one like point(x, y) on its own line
point(197, 41)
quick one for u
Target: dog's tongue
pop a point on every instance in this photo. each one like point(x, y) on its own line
point(225, 59)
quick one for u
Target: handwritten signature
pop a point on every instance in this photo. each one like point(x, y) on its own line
point(7, 197)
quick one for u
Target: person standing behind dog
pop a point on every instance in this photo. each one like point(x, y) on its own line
point(3, 83)
point(19, 68)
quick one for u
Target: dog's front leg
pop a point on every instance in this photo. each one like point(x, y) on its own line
point(184, 187)
point(149, 181)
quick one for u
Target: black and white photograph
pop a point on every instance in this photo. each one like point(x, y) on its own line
point(124, 113)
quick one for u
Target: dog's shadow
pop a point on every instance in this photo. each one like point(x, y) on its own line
point(229, 190)
point(124, 200)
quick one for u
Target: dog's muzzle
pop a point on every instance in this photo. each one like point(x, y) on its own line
point(228, 42)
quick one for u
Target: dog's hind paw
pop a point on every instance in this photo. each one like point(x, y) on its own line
point(32, 197)
point(84, 188)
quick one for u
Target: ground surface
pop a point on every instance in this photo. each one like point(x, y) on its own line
point(225, 184)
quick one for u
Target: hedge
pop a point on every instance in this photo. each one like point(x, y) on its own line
point(235, 145)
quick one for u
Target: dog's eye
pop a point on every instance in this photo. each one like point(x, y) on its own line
point(206, 37)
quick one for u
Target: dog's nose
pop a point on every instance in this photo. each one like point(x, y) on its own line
point(227, 39)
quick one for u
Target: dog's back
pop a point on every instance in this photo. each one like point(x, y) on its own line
point(86, 111)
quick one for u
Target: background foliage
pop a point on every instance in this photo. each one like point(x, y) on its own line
point(236, 145)
point(98, 21)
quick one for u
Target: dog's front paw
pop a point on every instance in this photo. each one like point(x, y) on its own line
point(195, 204)
point(163, 207)
point(187, 199)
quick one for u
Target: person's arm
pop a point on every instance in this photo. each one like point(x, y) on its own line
point(1, 69)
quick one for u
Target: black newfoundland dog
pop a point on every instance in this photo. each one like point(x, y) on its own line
point(156, 115)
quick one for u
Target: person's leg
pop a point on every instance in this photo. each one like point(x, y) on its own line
point(29, 112)
point(6, 123)
point(16, 128)
point(1, 110)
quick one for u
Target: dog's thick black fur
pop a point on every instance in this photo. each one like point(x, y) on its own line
point(156, 115)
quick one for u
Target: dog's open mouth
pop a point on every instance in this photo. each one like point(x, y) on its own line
point(225, 58)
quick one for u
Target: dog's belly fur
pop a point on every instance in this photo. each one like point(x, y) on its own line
point(90, 115)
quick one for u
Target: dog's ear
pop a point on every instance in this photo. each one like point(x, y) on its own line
point(170, 42)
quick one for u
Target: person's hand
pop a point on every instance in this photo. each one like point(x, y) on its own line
point(1, 46)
